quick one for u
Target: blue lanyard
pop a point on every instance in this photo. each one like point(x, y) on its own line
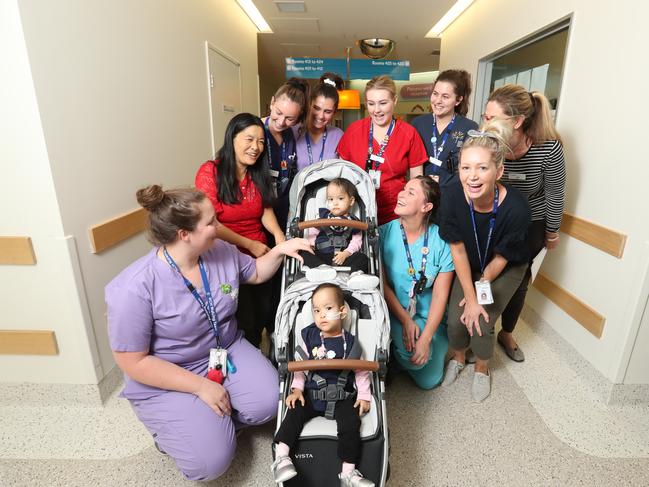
point(370, 164)
point(308, 146)
point(433, 140)
point(411, 265)
point(208, 308)
point(283, 163)
point(492, 224)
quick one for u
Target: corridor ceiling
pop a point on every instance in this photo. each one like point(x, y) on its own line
point(329, 26)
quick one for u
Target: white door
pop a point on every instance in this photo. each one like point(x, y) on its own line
point(225, 93)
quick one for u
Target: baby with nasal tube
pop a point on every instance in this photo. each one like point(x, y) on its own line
point(326, 339)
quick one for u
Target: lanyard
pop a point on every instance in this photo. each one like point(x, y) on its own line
point(283, 163)
point(433, 140)
point(492, 224)
point(208, 308)
point(424, 255)
point(308, 146)
point(382, 147)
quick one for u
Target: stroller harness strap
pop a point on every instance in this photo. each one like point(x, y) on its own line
point(333, 238)
point(332, 393)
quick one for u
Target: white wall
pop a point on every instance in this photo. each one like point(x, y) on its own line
point(43, 296)
point(599, 119)
point(123, 98)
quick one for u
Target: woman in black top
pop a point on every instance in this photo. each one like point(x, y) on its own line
point(287, 108)
point(486, 223)
point(536, 167)
point(443, 131)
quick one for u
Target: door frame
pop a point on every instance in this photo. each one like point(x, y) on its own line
point(485, 65)
point(208, 79)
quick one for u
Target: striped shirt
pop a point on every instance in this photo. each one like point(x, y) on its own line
point(541, 176)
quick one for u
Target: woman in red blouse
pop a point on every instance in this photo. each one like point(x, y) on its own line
point(388, 149)
point(239, 186)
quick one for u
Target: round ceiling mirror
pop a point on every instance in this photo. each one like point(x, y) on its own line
point(376, 48)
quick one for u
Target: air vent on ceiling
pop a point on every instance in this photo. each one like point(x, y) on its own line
point(290, 6)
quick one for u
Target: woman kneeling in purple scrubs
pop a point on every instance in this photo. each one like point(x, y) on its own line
point(173, 309)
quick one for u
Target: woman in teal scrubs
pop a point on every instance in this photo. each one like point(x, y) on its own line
point(418, 272)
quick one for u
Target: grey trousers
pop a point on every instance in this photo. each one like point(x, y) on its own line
point(503, 289)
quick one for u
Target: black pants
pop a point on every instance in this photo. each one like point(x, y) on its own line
point(535, 241)
point(357, 261)
point(346, 416)
point(256, 309)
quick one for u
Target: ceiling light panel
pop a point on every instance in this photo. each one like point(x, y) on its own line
point(289, 6)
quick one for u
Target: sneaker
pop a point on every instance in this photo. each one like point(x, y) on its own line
point(359, 280)
point(321, 273)
point(354, 479)
point(481, 386)
point(452, 370)
point(283, 469)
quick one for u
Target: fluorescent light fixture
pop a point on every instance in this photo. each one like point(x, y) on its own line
point(253, 13)
point(449, 17)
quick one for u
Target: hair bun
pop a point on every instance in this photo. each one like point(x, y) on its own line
point(150, 197)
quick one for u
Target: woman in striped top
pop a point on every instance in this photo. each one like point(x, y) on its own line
point(535, 165)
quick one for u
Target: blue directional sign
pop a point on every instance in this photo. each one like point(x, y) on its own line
point(306, 67)
point(368, 68)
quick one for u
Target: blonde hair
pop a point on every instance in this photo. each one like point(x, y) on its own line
point(493, 136)
point(382, 82)
point(516, 101)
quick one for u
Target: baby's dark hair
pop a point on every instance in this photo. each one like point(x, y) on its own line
point(346, 185)
point(340, 297)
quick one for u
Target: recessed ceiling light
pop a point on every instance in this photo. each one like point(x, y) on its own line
point(290, 6)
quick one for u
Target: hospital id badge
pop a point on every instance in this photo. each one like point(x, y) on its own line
point(483, 292)
point(375, 176)
point(218, 361)
point(435, 161)
point(273, 173)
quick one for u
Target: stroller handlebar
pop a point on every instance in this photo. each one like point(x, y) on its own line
point(333, 364)
point(329, 222)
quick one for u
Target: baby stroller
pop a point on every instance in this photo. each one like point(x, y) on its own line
point(314, 455)
point(309, 192)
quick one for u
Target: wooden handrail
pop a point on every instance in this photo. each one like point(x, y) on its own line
point(332, 222)
point(333, 364)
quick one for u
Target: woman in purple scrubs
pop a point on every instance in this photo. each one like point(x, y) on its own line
point(161, 329)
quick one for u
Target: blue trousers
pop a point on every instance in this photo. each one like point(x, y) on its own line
point(431, 373)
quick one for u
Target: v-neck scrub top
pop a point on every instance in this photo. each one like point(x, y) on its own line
point(151, 309)
point(334, 134)
point(450, 154)
point(403, 152)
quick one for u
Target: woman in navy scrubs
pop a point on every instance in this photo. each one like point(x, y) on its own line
point(443, 131)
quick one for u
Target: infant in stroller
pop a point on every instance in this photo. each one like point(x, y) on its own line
point(326, 339)
point(336, 245)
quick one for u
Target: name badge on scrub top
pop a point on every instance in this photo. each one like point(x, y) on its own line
point(517, 176)
point(377, 158)
point(434, 160)
point(483, 292)
point(273, 174)
point(375, 176)
point(217, 368)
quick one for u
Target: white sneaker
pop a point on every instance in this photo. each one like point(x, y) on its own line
point(360, 281)
point(321, 273)
point(452, 371)
point(354, 479)
point(481, 386)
